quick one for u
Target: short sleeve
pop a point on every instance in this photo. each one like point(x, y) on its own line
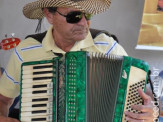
point(108, 45)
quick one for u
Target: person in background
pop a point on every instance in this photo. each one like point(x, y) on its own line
point(1, 71)
point(160, 5)
point(70, 20)
point(160, 79)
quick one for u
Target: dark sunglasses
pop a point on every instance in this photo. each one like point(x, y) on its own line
point(75, 16)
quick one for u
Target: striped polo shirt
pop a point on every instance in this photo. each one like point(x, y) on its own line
point(32, 50)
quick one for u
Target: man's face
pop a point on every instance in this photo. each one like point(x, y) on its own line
point(67, 31)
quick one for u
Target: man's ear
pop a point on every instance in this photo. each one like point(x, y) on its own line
point(49, 16)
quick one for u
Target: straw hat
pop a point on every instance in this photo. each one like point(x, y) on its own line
point(33, 10)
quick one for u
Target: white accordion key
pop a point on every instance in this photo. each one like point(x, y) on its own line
point(27, 109)
point(29, 81)
point(31, 67)
point(35, 104)
point(37, 99)
point(38, 85)
point(47, 118)
point(41, 112)
point(30, 76)
point(31, 71)
point(37, 92)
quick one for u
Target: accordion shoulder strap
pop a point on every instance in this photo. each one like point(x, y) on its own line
point(94, 32)
point(39, 37)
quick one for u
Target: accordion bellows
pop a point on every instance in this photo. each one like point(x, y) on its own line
point(81, 87)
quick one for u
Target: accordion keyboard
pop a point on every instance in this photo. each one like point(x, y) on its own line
point(37, 93)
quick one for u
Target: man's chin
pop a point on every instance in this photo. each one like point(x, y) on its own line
point(80, 37)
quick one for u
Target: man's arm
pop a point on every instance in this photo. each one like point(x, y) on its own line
point(5, 104)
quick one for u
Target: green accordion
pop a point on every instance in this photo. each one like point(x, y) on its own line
point(81, 87)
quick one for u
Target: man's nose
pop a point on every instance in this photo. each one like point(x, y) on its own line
point(83, 21)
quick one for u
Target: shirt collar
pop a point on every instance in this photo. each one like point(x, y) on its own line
point(49, 43)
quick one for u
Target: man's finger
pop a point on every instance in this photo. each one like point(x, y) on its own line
point(137, 116)
point(141, 108)
point(7, 119)
point(129, 119)
point(147, 99)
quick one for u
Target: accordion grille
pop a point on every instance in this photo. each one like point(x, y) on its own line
point(102, 88)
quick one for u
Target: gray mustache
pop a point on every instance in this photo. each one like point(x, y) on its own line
point(81, 28)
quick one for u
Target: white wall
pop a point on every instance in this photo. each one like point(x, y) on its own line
point(13, 21)
point(123, 19)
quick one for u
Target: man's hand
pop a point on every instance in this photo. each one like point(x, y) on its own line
point(7, 119)
point(149, 111)
point(5, 104)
